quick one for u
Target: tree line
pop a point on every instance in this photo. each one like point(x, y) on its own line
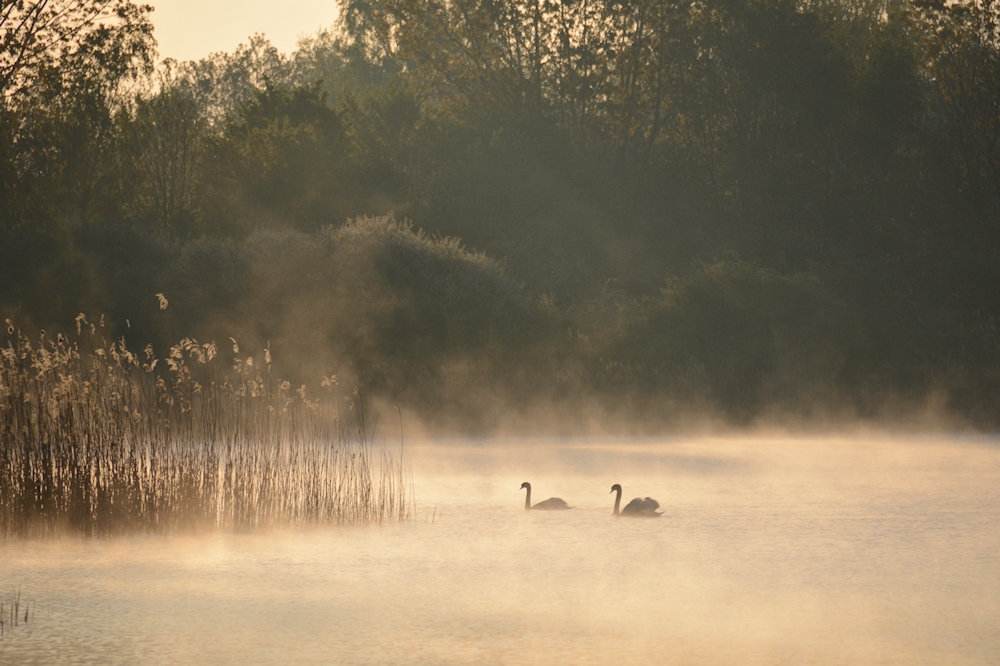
point(752, 207)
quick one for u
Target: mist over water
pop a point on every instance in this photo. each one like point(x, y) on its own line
point(744, 214)
point(823, 551)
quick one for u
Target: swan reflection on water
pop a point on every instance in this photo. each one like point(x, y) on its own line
point(551, 504)
point(640, 507)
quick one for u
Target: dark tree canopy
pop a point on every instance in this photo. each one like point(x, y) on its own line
point(745, 206)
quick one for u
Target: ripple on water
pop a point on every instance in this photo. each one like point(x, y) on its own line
point(770, 551)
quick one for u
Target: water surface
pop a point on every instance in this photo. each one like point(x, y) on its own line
point(770, 551)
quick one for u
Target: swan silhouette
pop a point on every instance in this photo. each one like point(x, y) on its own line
point(551, 504)
point(645, 507)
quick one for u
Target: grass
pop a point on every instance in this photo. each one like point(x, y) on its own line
point(98, 439)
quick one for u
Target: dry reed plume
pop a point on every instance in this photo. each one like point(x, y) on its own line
point(97, 439)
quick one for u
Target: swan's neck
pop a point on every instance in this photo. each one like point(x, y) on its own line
point(527, 500)
point(618, 500)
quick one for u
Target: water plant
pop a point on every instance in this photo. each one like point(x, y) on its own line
point(10, 613)
point(98, 439)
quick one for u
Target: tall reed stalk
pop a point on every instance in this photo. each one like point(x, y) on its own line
point(97, 439)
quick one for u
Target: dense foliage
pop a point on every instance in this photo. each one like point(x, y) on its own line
point(748, 206)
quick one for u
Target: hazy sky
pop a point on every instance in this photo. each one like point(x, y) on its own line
point(190, 29)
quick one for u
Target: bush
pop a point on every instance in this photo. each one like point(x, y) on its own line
point(387, 306)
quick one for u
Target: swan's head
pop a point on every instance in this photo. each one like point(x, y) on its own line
point(616, 487)
point(525, 485)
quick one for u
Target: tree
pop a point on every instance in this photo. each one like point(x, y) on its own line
point(962, 46)
point(222, 82)
point(65, 66)
point(169, 135)
point(36, 35)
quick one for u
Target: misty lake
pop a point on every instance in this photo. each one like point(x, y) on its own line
point(770, 551)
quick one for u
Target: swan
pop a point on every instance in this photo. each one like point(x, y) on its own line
point(551, 504)
point(638, 508)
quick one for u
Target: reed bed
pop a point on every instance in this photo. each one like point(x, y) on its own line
point(98, 439)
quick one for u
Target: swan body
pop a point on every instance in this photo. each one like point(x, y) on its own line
point(551, 504)
point(640, 507)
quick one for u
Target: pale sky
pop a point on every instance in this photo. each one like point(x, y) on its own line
point(191, 29)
